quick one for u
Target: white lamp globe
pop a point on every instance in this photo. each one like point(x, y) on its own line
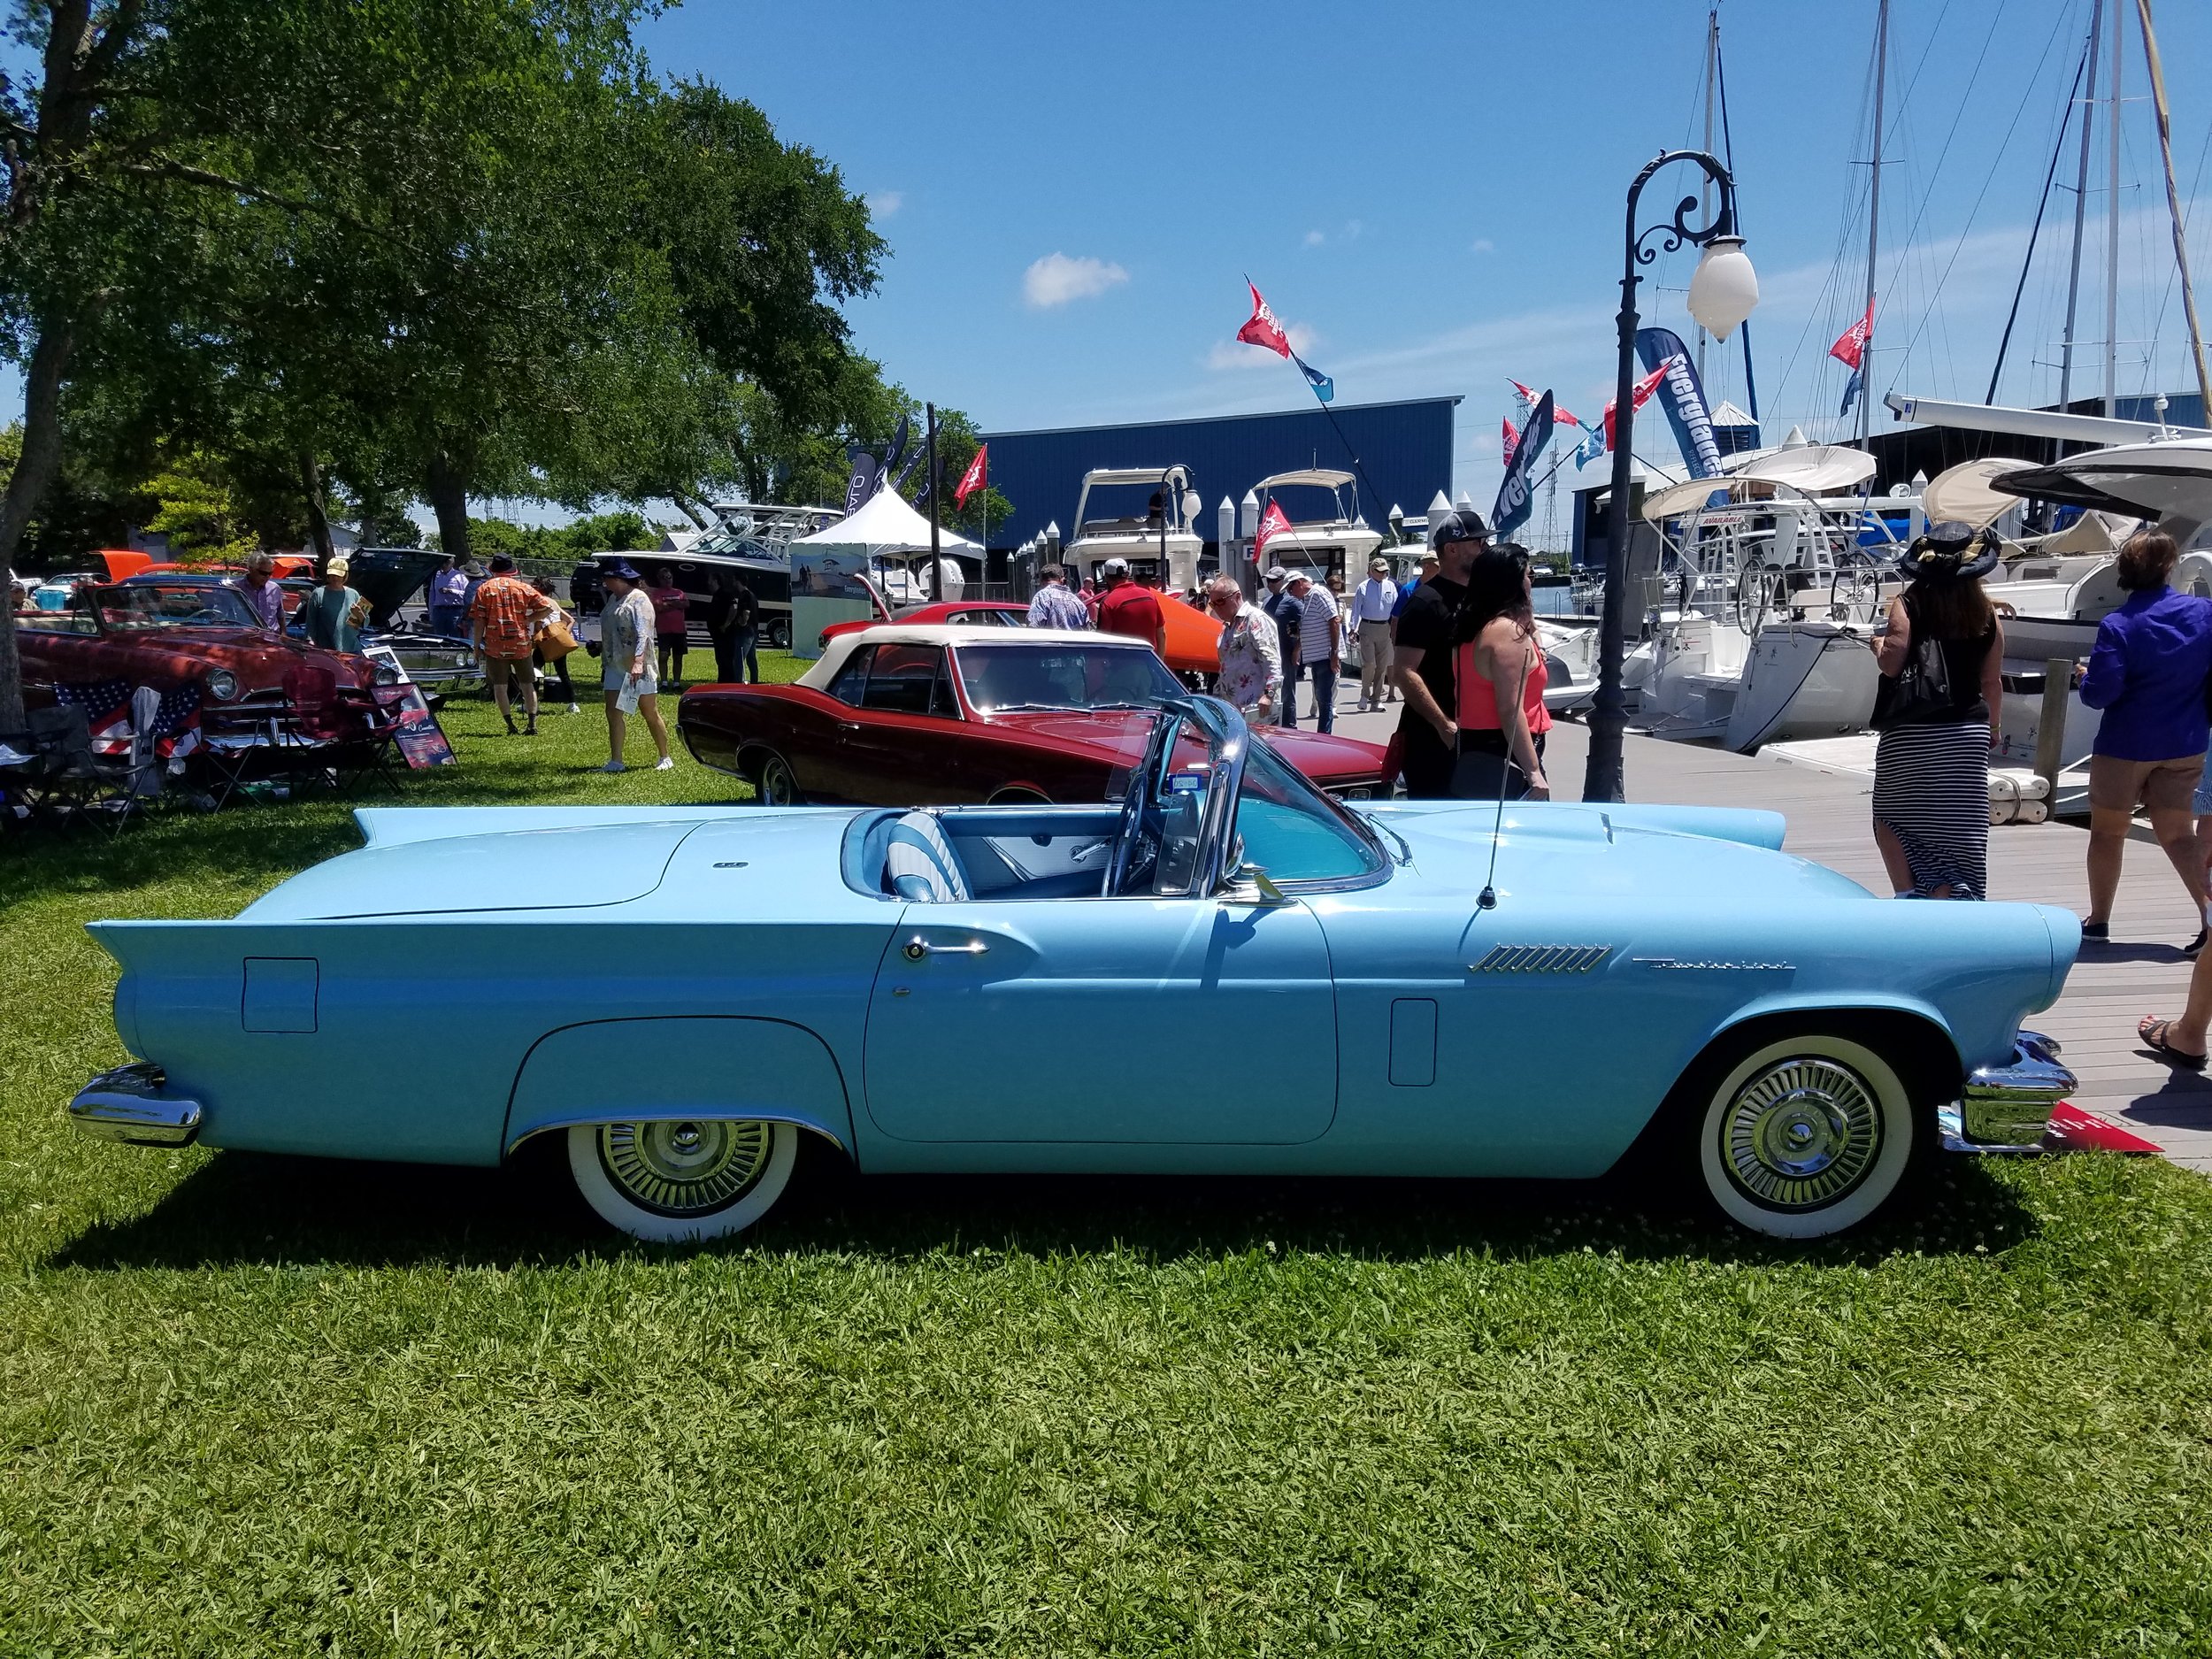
point(1194, 506)
point(1725, 289)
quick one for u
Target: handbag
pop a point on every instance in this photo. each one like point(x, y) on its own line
point(1480, 775)
point(1919, 692)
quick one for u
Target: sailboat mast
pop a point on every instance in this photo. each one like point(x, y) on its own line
point(2081, 203)
point(2112, 236)
point(1712, 55)
point(2173, 199)
point(1873, 218)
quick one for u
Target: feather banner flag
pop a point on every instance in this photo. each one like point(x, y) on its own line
point(1517, 494)
point(1324, 388)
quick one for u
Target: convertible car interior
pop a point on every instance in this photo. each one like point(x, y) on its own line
point(1170, 835)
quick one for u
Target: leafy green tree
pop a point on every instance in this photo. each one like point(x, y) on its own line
point(200, 512)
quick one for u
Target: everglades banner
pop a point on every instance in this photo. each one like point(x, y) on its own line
point(1683, 398)
point(1515, 496)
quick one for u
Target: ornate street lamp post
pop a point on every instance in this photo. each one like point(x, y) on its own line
point(1722, 294)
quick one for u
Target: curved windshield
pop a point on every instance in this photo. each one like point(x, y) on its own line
point(1293, 831)
point(136, 605)
point(1003, 679)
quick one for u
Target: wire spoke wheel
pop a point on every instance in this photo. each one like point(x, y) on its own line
point(1802, 1134)
point(686, 1168)
point(682, 1179)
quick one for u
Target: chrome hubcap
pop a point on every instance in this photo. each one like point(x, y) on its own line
point(775, 784)
point(1802, 1134)
point(687, 1168)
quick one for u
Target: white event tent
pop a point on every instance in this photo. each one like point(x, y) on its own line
point(884, 527)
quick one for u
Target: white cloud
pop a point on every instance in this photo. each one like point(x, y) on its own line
point(1236, 354)
point(1056, 278)
point(883, 204)
point(1315, 238)
point(1353, 230)
point(1483, 245)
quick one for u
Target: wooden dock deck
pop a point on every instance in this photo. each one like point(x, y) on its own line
point(2140, 971)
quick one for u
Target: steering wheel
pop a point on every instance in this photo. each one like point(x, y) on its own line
point(1125, 836)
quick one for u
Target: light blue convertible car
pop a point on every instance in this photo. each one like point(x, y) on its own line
point(1445, 989)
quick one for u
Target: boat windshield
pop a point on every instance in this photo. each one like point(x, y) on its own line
point(1004, 679)
point(136, 606)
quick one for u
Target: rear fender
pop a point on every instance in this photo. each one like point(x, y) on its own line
point(643, 1071)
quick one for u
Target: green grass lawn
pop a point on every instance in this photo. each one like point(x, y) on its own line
point(256, 1405)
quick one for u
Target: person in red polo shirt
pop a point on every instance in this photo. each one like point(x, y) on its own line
point(1130, 607)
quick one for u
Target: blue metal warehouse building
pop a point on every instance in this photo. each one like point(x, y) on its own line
point(1405, 448)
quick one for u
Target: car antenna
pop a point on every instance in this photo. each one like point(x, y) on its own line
point(1488, 899)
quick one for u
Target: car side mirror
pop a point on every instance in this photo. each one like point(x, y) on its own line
point(1252, 876)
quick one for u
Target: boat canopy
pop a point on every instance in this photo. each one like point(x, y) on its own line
point(2172, 479)
point(1320, 477)
point(1135, 475)
point(1814, 468)
point(1964, 494)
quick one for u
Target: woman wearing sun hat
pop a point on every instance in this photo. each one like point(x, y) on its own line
point(1941, 657)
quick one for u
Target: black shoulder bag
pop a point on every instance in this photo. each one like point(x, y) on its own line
point(1919, 692)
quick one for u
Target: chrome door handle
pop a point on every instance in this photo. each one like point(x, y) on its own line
point(917, 949)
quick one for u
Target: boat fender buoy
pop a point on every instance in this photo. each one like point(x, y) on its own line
point(2031, 812)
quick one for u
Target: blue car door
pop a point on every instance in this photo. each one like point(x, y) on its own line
point(1103, 1020)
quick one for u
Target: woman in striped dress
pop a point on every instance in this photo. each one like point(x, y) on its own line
point(1931, 766)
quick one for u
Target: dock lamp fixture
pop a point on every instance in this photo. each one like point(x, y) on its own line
point(1722, 293)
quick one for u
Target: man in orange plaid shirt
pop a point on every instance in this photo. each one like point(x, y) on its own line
point(503, 620)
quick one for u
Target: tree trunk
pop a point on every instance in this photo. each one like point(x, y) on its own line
point(684, 506)
point(40, 459)
point(318, 509)
point(449, 500)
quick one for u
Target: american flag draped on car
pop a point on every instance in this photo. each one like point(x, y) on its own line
point(107, 707)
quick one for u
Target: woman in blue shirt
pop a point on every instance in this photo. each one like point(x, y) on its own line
point(2147, 673)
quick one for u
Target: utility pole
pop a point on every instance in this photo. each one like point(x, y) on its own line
point(936, 570)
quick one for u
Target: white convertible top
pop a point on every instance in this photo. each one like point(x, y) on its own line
point(844, 645)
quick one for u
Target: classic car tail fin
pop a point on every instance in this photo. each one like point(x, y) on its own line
point(393, 827)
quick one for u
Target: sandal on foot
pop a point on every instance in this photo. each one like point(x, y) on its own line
point(2153, 1031)
point(2096, 930)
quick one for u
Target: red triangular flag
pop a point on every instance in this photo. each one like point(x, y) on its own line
point(1509, 440)
point(1262, 329)
point(1273, 524)
point(1639, 396)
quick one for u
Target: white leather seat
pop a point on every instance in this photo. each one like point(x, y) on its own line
point(920, 864)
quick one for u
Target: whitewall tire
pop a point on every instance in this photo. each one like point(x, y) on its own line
point(684, 1181)
point(1806, 1136)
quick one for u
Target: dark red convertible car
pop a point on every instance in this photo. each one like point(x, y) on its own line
point(255, 687)
point(931, 716)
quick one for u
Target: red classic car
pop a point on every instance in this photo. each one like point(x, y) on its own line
point(929, 715)
point(255, 687)
point(1194, 637)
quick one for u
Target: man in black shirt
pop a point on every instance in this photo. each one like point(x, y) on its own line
point(1285, 613)
point(1422, 668)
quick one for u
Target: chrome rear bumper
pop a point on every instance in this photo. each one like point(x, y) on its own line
point(2011, 1105)
point(128, 1104)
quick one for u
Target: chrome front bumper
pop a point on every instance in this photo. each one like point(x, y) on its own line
point(2011, 1105)
point(128, 1104)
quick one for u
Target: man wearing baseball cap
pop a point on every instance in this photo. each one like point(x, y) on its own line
point(1374, 602)
point(1422, 666)
point(1130, 608)
point(1285, 613)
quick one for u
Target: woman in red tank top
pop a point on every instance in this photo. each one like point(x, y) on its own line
point(1499, 667)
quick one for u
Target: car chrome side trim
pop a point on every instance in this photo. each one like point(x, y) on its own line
point(128, 1104)
point(562, 1125)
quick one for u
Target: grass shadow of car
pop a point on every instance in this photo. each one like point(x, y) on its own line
point(243, 1208)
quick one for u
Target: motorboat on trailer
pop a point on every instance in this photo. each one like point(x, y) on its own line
point(1162, 543)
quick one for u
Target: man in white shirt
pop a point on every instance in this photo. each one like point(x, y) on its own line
point(1372, 603)
point(1320, 649)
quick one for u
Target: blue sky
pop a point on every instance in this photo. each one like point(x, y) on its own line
point(1431, 195)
